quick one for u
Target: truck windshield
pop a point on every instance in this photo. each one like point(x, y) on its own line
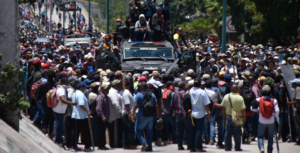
point(145, 52)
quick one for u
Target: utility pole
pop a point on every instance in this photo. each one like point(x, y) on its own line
point(107, 17)
point(127, 8)
point(46, 15)
point(50, 22)
point(64, 14)
point(90, 22)
point(224, 27)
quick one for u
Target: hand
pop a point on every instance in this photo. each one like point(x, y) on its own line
point(74, 103)
point(133, 119)
point(129, 20)
point(289, 103)
point(89, 113)
point(103, 119)
point(207, 116)
point(130, 116)
point(179, 49)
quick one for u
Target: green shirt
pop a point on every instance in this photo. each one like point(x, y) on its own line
point(237, 103)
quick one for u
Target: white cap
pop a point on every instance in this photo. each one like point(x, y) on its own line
point(142, 15)
point(211, 60)
point(153, 83)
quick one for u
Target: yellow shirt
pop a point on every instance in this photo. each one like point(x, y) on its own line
point(237, 103)
point(177, 37)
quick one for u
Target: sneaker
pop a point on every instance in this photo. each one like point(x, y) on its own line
point(87, 150)
point(181, 148)
point(248, 141)
point(148, 149)
point(262, 151)
point(220, 146)
point(145, 146)
point(211, 142)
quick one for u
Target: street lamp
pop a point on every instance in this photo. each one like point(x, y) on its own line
point(224, 27)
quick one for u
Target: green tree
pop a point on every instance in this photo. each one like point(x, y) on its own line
point(268, 20)
point(117, 9)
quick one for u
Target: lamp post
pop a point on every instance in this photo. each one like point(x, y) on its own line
point(224, 27)
point(90, 22)
point(107, 18)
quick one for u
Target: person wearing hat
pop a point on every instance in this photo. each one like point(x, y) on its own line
point(106, 43)
point(103, 113)
point(142, 27)
point(204, 62)
point(228, 65)
point(296, 106)
point(80, 113)
point(143, 122)
point(212, 63)
point(267, 116)
point(115, 113)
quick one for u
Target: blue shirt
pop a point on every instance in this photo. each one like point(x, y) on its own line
point(139, 99)
point(199, 100)
point(78, 112)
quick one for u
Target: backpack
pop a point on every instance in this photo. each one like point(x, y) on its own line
point(187, 105)
point(266, 107)
point(248, 96)
point(33, 91)
point(148, 107)
point(93, 106)
point(51, 98)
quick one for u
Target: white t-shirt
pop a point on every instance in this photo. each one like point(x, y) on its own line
point(271, 120)
point(127, 98)
point(61, 107)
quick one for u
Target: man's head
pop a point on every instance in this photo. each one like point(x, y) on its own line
point(142, 18)
point(159, 10)
point(152, 84)
point(117, 84)
point(104, 89)
point(142, 86)
point(63, 81)
point(266, 90)
point(179, 30)
point(295, 83)
point(82, 86)
point(234, 89)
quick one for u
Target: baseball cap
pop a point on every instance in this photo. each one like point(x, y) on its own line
point(222, 83)
point(211, 60)
point(104, 87)
point(82, 84)
point(296, 81)
point(142, 79)
point(153, 83)
point(267, 89)
point(45, 66)
point(115, 82)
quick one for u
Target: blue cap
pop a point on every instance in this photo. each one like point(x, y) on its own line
point(82, 84)
point(45, 54)
point(296, 81)
point(35, 50)
point(227, 77)
point(87, 81)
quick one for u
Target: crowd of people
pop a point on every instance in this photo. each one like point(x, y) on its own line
point(241, 92)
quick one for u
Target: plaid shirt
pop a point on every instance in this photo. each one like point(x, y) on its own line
point(102, 108)
point(177, 102)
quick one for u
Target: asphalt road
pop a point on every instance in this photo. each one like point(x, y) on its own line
point(251, 148)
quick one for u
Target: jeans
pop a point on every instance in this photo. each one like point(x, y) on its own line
point(232, 129)
point(195, 138)
point(262, 129)
point(128, 131)
point(41, 114)
point(247, 128)
point(170, 122)
point(59, 127)
point(141, 124)
point(219, 121)
point(181, 123)
point(179, 53)
point(139, 36)
point(205, 129)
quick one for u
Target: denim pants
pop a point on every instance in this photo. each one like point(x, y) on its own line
point(195, 138)
point(205, 129)
point(141, 124)
point(182, 125)
point(128, 131)
point(247, 127)
point(219, 121)
point(262, 129)
point(170, 123)
point(232, 129)
point(59, 126)
point(140, 35)
point(41, 114)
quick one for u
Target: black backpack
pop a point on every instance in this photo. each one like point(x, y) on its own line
point(93, 106)
point(148, 107)
point(248, 96)
point(187, 105)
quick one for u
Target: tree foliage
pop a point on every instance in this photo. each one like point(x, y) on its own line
point(117, 9)
point(266, 20)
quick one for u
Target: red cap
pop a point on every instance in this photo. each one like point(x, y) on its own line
point(84, 63)
point(45, 66)
point(43, 61)
point(36, 62)
point(142, 79)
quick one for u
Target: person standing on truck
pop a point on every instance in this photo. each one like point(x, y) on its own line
point(158, 24)
point(179, 42)
point(130, 21)
point(117, 35)
point(142, 27)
